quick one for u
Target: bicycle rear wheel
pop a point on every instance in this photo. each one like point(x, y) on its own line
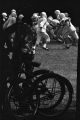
point(52, 95)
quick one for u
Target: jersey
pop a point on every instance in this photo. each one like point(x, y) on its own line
point(54, 22)
point(10, 21)
point(42, 24)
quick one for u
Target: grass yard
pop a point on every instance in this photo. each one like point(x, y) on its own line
point(61, 61)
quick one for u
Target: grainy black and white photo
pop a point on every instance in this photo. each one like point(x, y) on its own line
point(38, 59)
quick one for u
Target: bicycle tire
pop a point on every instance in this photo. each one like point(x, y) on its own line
point(64, 81)
point(70, 91)
point(52, 75)
point(41, 72)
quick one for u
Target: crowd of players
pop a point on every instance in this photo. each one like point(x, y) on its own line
point(40, 23)
point(43, 22)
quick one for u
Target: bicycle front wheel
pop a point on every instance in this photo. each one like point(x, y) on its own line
point(51, 91)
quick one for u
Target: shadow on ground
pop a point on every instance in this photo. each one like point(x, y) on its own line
point(69, 115)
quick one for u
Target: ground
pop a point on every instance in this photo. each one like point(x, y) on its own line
point(61, 61)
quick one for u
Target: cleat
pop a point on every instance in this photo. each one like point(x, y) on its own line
point(45, 48)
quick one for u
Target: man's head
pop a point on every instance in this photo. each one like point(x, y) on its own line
point(43, 14)
point(62, 15)
point(50, 18)
point(4, 14)
point(35, 15)
point(13, 10)
point(57, 12)
point(66, 14)
point(21, 16)
point(13, 13)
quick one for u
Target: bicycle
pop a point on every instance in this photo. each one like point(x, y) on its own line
point(25, 95)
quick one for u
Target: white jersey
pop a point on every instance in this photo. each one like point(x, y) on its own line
point(9, 22)
point(42, 24)
point(71, 26)
point(41, 30)
point(58, 17)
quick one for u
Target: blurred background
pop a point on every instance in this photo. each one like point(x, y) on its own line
point(28, 7)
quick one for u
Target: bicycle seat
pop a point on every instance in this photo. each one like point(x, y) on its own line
point(36, 64)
